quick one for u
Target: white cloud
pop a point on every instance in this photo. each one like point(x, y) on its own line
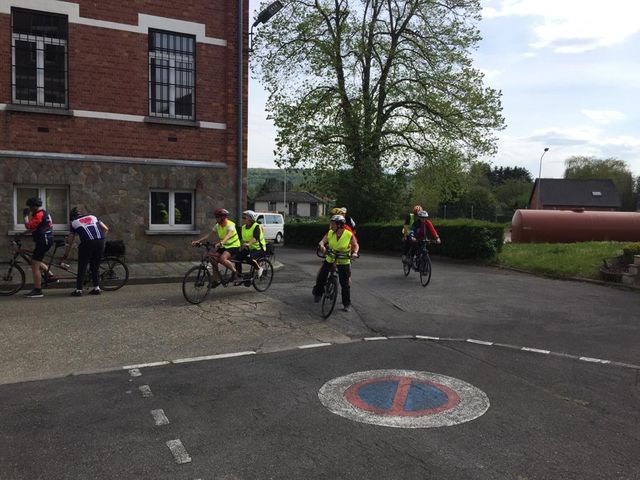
point(491, 74)
point(573, 26)
point(603, 116)
point(525, 151)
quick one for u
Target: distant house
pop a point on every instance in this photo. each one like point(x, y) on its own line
point(301, 204)
point(563, 194)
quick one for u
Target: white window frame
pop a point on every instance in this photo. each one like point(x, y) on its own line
point(171, 210)
point(42, 193)
point(40, 43)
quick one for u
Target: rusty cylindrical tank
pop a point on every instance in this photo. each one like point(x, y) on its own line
point(569, 226)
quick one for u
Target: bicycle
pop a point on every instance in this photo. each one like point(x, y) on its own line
point(200, 279)
point(420, 261)
point(330, 294)
point(114, 273)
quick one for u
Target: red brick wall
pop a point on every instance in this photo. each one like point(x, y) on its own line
point(218, 16)
point(108, 72)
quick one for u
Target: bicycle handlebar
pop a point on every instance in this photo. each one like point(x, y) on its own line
point(334, 254)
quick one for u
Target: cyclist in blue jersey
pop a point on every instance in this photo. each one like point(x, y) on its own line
point(92, 233)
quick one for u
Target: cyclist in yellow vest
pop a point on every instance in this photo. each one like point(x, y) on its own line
point(340, 240)
point(253, 244)
point(228, 239)
point(406, 228)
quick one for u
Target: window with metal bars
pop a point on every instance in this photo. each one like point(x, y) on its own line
point(39, 58)
point(171, 75)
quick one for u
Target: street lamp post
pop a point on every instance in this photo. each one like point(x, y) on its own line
point(263, 17)
point(546, 149)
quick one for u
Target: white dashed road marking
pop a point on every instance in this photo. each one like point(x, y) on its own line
point(145, 390)
point(314, 345)
point(159, 417)
point(214, 357)
point(179, 452)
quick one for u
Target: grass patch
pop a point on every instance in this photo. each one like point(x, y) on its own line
point(560, 259)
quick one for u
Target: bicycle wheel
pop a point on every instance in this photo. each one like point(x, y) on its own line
point(330, 296)
point(196, 284)
point(11, 278)
point(114, 274)
point(406, 266)
point(425, 270)
point(262, 283)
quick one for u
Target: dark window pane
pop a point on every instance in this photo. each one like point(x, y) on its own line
point(184, 207)
point(160, 208)
point(54, 74)
point(40, 24)
point(26, 68)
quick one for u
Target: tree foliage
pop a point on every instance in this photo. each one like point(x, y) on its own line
point(372, 86)
point(589, 168)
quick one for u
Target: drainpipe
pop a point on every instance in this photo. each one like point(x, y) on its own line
point(240, 111)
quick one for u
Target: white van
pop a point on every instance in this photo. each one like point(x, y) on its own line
point(273, 226)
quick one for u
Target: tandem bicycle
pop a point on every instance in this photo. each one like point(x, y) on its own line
point(420, 261)
point(200, 279)
point(114, 272)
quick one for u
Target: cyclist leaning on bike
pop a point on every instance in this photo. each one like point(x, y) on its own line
point(42, 226)
point(421, 229)
point(92, 233)
point(341, 241)
point(228, 239)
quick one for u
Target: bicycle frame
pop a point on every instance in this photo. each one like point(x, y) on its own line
point(214, 259)
point(47, 262)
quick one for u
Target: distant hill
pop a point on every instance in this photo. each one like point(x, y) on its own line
point(264, 180)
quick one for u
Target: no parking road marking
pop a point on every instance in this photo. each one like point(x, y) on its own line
point(403, 399)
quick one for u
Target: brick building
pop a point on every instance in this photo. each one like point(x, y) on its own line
point(125, 109)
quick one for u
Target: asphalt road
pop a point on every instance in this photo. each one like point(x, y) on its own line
point(259, 416)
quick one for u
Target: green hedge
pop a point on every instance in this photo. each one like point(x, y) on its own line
point(460, 238)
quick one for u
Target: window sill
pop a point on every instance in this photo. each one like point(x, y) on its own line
point(16, 107)
point(56, 233)
point(172, 121)
point(172, 232)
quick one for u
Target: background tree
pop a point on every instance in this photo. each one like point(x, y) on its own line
point(588, 168)
point(438, 180)
point(368, 87)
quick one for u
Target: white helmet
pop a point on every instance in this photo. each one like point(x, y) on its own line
point(251, 214)
point(423, 214)
point(339, 219)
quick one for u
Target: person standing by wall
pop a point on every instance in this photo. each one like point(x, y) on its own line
point(42, 226)
point(92, 233)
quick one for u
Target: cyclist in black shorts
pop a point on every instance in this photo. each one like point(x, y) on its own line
point(42, 226)
point(92, 233)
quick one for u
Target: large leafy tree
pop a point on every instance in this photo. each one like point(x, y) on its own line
point(588, 168)
point(371, 86)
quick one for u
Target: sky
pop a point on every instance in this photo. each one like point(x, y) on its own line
point(569, 73)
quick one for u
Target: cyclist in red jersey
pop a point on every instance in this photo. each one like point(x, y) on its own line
point(42, 226)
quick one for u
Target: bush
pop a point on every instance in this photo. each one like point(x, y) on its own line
point(629, 250)
point(460, 238)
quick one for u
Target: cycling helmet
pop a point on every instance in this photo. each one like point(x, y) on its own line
point(34, 202)
point(417, 209)
point(339, 219)
point(74, 213)
point(423, 214)
point(338, 211)
point(221, 212)
point(251, 214)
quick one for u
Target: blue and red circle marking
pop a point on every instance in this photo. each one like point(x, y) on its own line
point(403, 398)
